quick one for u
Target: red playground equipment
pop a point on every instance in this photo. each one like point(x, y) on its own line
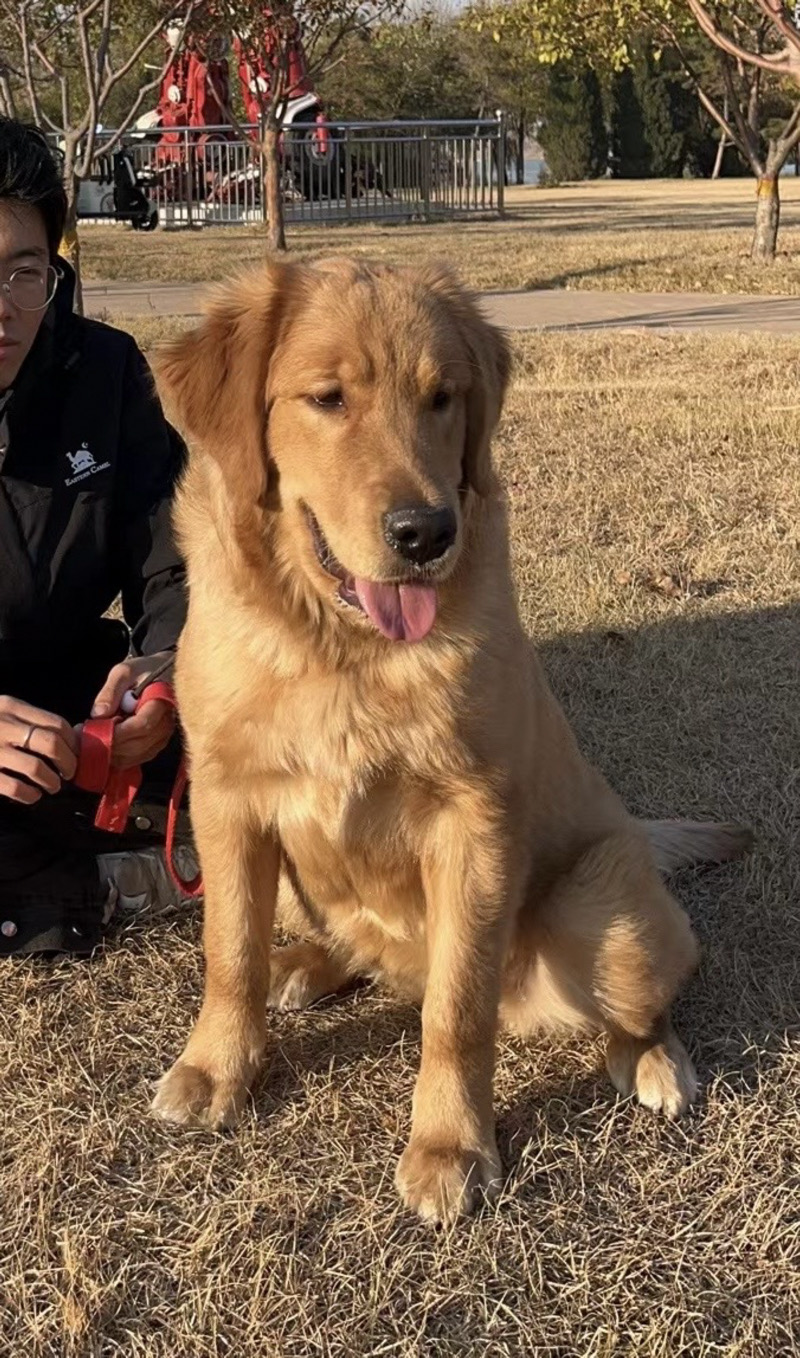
point(195, 92)
point(194, 108)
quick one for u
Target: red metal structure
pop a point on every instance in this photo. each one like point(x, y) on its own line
point(195, 89)
point(195, 93)
point(194, 107)
point(257, 69)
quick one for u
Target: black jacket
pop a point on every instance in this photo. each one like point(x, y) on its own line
point(85, 509)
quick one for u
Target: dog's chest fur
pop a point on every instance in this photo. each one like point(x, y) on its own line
point(352, 780)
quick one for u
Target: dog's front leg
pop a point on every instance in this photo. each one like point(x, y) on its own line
point(240, 864)
point(451, 1159)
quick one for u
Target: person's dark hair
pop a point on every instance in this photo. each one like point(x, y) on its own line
point(29, 174)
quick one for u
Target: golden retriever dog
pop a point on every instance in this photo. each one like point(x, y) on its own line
point(376, 759)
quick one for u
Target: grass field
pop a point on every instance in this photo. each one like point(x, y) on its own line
point(673, 236)
point(656, 510)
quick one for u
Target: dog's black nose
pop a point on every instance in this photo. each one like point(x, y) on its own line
point(420, 533)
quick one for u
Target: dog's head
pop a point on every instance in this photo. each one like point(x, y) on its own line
point(356, 403)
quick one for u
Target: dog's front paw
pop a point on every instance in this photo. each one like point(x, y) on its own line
point(190, 1094)
point(442, 1183)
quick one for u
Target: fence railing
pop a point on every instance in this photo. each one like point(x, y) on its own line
point(344, 172)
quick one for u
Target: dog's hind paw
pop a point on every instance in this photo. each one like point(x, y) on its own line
point(661, 1075)
point(301, 974)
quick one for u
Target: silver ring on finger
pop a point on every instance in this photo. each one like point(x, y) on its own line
point(26, 744)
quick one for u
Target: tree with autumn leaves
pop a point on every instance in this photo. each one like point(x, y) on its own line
point(755, 49)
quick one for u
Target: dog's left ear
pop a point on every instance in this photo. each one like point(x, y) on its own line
point(490, 369)
point(491, 359)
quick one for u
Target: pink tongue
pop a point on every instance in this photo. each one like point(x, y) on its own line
point(400, 612)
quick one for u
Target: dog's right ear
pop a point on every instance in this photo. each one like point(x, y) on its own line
point(213, 379)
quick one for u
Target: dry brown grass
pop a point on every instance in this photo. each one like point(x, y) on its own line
point(629, 460)
point(670, 236)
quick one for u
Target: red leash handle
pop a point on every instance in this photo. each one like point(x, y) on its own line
point(118, 787)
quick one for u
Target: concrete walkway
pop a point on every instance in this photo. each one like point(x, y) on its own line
point(542, 310)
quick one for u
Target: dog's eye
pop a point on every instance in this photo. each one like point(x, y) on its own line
point(441, 399)
point(329, 400)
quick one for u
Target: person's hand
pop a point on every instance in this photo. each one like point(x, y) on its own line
point(143, 735)
point(36, 746)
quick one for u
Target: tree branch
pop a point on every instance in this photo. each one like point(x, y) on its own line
point(102, 61)
point(350, 25)
point(719, 117)
point(27, 66)
point(114, 77)
point(776, 14)
point(150, 85)
point(238, 127)
point(768, 61)
point(791, 133)
point(747, 140)
point(93, 68)
point(7, 107)
point(734, 135)
point(41, 55)
point(64, 101)
point(786, 145)
point(89, 120)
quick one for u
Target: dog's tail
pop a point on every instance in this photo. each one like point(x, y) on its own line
point(685, 843)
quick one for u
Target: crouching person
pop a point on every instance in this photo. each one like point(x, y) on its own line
point(87, 470)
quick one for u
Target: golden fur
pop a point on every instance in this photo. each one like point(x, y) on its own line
point(415, 811)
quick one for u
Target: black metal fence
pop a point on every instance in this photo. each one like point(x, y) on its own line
point(345, 172)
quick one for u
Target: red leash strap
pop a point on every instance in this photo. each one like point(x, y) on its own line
point(118, 787)
point(195, 886)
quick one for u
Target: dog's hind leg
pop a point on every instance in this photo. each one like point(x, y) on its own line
point(609, 949)
point(303, 973)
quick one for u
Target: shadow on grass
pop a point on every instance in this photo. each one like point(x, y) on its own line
point(592, 218)
point(699, 718)
point(732, 316)
point(570, 277)
point(583, 215)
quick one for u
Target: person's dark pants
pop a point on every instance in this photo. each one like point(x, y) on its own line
point(51, 895)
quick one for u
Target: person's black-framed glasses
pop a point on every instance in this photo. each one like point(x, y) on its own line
point(31, 288)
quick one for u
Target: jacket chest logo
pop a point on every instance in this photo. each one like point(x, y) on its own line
point(83, 464)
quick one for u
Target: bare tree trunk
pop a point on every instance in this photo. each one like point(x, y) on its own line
point(6, 95)
point(754, 105)
point(70, 248)
point(273, 197)
point(723, 143)
point(768, 212)
point(721, 148)
point(521, 130)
